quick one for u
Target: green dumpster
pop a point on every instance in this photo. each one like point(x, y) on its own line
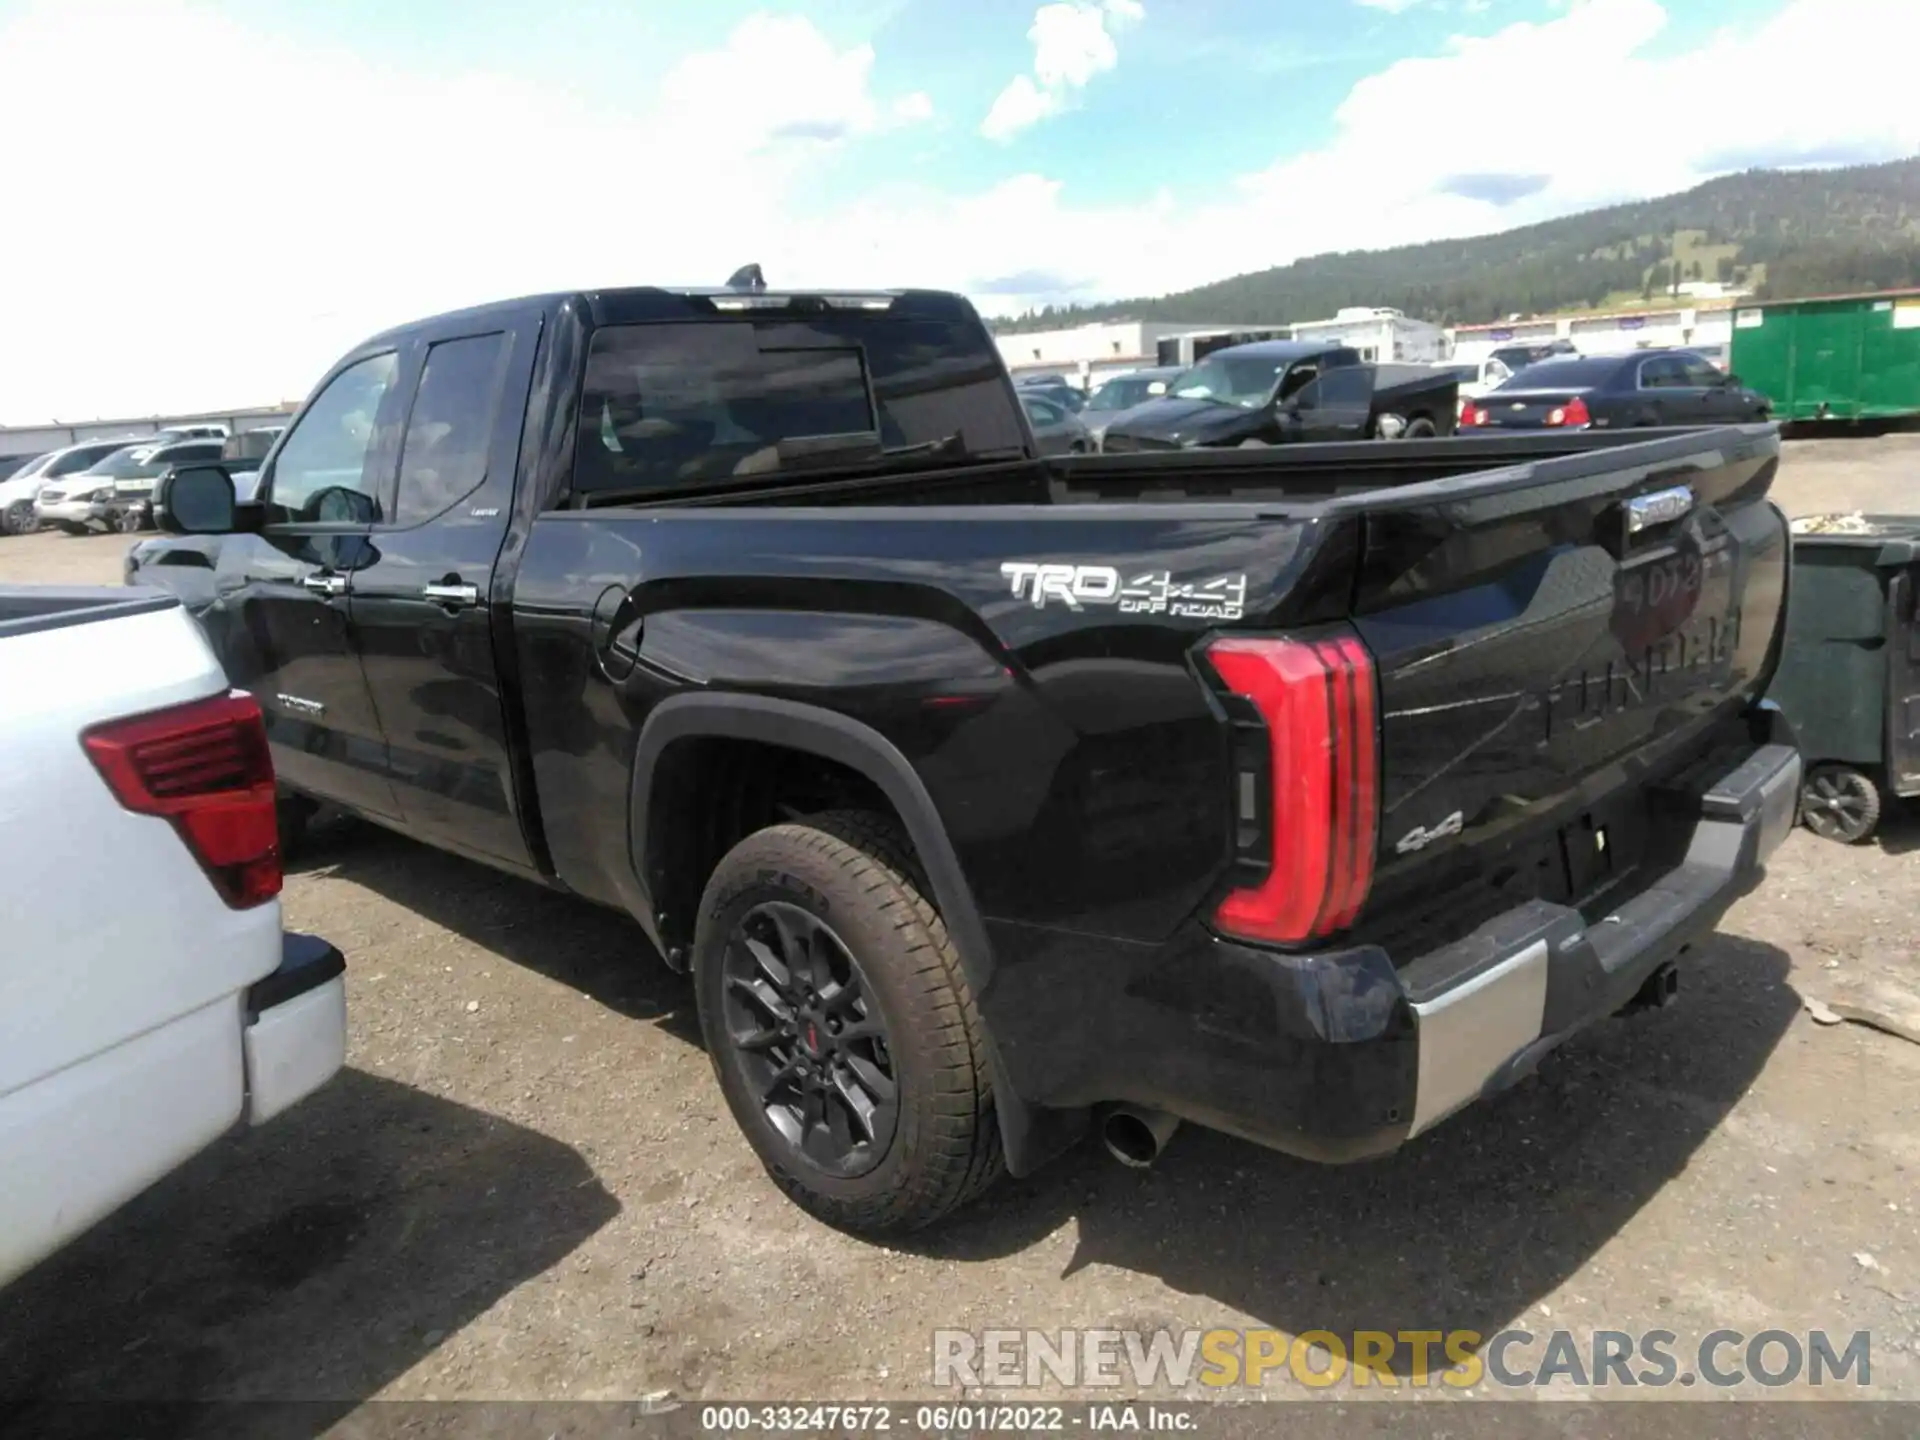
point(1844, 357)
point(1849, 676)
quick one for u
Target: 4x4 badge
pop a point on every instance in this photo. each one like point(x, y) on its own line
point(1419, 838)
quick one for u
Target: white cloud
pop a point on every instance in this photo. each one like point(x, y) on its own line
point(219, 243)
point(1819, 82)
point(1072, 43)
point(911, 109)
point(341, 197)
point(1392, 7)
point(1016, 107)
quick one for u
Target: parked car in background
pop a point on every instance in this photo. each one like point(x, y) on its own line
point(101, 493)
point(1518, 356)
point(152, 1000)
point(191, 432)
point(1116, 396)
point(240, 454)
point(1123, 392)
point(20, 489)
point(1648, 387)
point(1057, 388)
point(1476, 377)
point(189, 560)
point(1056, 430)
point(1275, 392)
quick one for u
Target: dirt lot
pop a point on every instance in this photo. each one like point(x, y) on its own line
point(526, 1185)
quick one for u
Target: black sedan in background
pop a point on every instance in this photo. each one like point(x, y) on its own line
point(1648, 387)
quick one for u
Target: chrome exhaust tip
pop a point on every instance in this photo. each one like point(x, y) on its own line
point(1135, 1136)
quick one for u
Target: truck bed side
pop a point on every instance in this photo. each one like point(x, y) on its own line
point(1077, 766)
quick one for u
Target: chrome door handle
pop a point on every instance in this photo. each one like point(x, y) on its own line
point(452, 594)
point(325, 584)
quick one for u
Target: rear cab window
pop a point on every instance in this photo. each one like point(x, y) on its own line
point(669, 406)
point(443, 454)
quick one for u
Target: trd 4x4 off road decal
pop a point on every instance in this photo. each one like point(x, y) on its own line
point(1153, 592)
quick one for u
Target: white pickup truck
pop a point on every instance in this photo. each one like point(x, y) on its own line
point(142, 1019)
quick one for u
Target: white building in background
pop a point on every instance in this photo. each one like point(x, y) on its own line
point(17, 442)
point(1092, 352)
point(1706, 327)
point(1379, 333)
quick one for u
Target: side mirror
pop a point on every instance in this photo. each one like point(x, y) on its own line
point(195, 500)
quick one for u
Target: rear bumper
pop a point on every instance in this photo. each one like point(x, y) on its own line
point(296, 1035)
point(1341, 1055)
point(73, 512)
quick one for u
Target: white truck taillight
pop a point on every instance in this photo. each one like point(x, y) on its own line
point(1317, 782)
point(205, 767)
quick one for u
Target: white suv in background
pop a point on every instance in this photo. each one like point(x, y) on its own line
point(20, 489)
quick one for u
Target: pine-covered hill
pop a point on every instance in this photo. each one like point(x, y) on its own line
point(1782, 232)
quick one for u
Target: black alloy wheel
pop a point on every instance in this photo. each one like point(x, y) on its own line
point(809, 1039)
point(841, 1026)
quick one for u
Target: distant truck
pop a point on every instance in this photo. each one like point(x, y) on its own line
point(1276, 392)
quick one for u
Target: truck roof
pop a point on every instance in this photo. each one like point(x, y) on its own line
point(642, 304)
point(1282, 349)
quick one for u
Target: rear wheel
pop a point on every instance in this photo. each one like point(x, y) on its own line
point(1419, 428)
point(1840, 803)
point(840, 1026)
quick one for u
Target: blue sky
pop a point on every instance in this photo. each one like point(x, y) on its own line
point(438, 152)
point(1208, 89)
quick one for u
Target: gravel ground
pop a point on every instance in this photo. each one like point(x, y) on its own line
point(526, 1185)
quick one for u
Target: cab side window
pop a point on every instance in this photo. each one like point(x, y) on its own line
point(1700, 374)
point(1348, 385)
point(1664, 373)
point(1294, 387)
point(443, 457)
point(320, 475)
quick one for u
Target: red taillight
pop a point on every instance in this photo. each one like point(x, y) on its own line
point(1472, 414)
point(1574, 412)
point(205, 767)
point(1318, 702)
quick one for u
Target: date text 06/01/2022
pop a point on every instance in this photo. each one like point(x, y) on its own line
point(946, 1419)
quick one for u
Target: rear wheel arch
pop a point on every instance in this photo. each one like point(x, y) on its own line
point(1028, 1136)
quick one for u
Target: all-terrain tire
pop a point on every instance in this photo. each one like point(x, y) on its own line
point(855, 871)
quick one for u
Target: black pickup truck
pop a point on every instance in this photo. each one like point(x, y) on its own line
point(1306, 793)
point(1281, 392)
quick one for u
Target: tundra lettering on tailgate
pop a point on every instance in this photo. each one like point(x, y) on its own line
point(1678, 630)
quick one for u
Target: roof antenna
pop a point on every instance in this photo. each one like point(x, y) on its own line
point(747, 277)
